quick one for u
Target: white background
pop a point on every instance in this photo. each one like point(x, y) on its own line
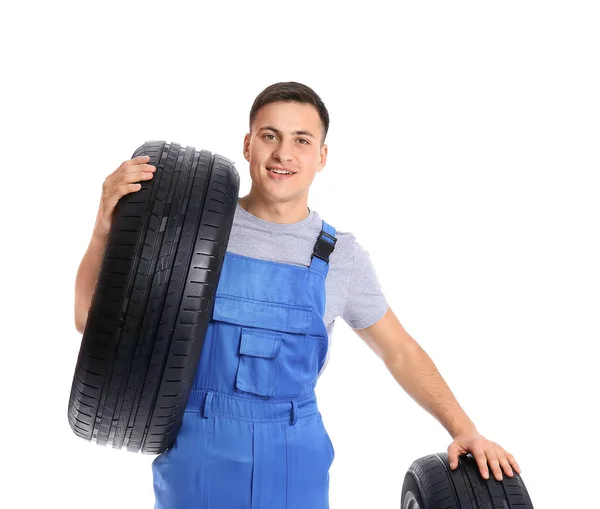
point(463, 154)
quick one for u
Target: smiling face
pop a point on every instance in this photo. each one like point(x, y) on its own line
point(285, 135)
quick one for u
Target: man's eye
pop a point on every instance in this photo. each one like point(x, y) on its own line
point(302, 139)
point(269, 135)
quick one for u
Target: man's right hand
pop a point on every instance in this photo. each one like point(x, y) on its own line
point(118, 184)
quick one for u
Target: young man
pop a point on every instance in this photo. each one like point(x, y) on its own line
point(252, 435)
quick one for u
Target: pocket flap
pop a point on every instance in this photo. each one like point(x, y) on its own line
point(262, 314)
point(259, 343)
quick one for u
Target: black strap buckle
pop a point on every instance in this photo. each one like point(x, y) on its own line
point(323, 248)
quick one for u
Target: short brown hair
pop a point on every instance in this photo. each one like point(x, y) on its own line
point(291, 91)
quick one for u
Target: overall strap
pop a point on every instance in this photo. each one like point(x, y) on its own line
point(324, 246)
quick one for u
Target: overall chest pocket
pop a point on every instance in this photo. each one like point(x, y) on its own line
point(259, 361)
point(272, 342)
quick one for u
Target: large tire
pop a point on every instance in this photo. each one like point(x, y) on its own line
point(430, 483)
point(153, 300)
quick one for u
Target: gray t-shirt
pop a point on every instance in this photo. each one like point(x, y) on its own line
point(352, 289)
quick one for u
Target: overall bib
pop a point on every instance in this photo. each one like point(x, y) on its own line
point(252, 436)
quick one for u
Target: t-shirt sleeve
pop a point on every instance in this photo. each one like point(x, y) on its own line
point(365, 301)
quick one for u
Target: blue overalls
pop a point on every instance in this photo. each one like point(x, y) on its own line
point(252, 436)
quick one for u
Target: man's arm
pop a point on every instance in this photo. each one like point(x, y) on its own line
point(87, 276)
point(414, 370)
point(124, 180)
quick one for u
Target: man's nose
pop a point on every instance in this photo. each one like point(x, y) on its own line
point(283, 152)
point(280, 156)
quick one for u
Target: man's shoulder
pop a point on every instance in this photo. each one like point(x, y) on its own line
point(345, 245)
point(349, 247)
point(341, 233)
point(345, 238)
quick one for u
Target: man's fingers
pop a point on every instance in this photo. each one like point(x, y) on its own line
point(481, 460)
point(510, 458)
point(513, 462)
point(494, 464)
point(453, 455)
point(145, 175)
point(141, 167)
point(138, 159)
point(134, 161)
point(505, 465)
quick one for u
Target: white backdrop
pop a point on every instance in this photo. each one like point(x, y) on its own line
point(463, 154)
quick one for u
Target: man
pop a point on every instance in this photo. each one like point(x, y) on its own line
point(252, 434)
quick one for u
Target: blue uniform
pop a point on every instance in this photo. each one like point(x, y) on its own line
point(252, 436)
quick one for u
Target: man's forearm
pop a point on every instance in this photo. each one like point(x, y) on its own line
point(417, 375)
point(87, 276)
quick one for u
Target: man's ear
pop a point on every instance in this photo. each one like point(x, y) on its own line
point(246, 147)
point(323, 158)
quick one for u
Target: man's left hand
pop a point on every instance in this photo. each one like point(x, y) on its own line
point(484, 451)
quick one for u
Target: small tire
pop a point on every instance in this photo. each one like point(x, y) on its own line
point(430, 483)
point(153, 300)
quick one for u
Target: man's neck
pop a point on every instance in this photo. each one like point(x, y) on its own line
point(283, 213)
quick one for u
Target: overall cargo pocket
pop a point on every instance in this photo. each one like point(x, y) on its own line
point(259, 361)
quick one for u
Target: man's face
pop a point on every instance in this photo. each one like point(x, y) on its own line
point(286, 135)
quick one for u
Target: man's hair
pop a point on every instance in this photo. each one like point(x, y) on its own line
point(291, 91)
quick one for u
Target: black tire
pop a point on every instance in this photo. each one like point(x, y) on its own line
point(153, 300)
point(430, 483)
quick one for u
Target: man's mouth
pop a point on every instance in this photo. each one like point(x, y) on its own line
point(278, 171)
